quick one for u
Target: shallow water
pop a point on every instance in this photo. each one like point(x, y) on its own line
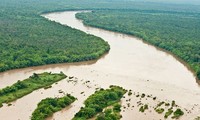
point(130, 63)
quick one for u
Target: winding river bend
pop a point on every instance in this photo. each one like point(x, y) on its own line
point(130, 63)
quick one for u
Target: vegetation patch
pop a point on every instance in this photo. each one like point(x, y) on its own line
point(34, 82)
point(111, 113)
point(159, 110)
point(101, 99)
point(173, 103)
point(160, 104)
point(47, 87)
point(169, 109)
point(167, 104)
point(168, 113)
point(177, 113)
point(130, 93)
point(143, 108)
point(49, 106)
point(143, 95)
point(28, 39)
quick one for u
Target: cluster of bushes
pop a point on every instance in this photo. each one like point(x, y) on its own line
point(110, 114)
point(49, 106)
point(22, 88)
point(100, 100)
point(176, 114)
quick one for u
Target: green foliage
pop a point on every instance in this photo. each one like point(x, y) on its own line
point(130, 93)
point(117, 107)
point(176, 32)
point(98, 101)
point(168, 113)
point(167, 104)
point(108, 114)
point(178, 113)
point(22, 88)
point(49, 106)
point(160, 110)
point(27, 39)
point(160, 104)
point(143, 95)
point(143, 108)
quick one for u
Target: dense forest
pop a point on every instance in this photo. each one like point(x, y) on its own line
point(27, 39)
point(177, 32)
point(24, 87)
point(49, 106)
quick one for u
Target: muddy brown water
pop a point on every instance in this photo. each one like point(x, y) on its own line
point(130, 63)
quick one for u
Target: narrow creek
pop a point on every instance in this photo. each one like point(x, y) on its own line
point(130, 63)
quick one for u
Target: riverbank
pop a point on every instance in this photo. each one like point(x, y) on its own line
point(138, 67)
point(143, 29)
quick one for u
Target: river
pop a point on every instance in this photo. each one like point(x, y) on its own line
point(130, 63)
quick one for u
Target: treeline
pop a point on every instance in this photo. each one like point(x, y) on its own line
point(27, 39)
point(98, 101)
point(49, 106)
point(172, 31)
point(24, 87)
